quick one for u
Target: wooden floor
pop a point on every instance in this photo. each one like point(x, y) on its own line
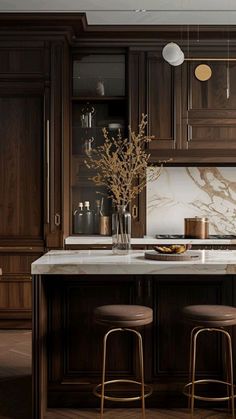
point(15, 389)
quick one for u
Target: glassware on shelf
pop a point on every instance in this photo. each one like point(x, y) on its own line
point(88, 145)
point(88, 219)
point(97, 217)
point(87, 116)
point(121, 231)
point(100, 88)
point(78, 219)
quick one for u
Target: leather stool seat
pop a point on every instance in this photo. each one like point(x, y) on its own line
point(123, 315)
point(210, 315)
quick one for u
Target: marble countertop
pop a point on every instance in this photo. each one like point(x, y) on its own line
point(103, 262)
point(146, 240)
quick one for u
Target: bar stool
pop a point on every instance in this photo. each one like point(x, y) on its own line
point(122, 318)
point(210, 318)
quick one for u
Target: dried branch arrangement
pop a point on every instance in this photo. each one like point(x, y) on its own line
point(121, 164)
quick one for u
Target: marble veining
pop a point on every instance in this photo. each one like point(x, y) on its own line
point(182, 192)
point(103, 262)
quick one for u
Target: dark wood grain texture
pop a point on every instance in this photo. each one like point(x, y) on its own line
point(74, 341)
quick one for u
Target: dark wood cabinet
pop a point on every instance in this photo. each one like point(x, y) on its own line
point(99, 100)
point(191, 121)
point(208, 108)
point(78, 344)
point(171, 334)
point(75, 341)
point(30, 167)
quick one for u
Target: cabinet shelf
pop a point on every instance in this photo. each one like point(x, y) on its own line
point(97, 98)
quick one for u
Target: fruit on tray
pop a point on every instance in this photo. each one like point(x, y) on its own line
point(172, 248)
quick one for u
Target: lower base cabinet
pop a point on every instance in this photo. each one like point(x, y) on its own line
point(16, 287)
point(75, 341)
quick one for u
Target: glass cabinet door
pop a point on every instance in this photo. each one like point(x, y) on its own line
point(99, 75)
point(98, 101)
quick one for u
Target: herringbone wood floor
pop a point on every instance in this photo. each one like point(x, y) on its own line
point(15, 389)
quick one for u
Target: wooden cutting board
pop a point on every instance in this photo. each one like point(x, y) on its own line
point(151, 254)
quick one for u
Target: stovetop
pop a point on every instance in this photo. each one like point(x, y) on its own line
point(182, 236)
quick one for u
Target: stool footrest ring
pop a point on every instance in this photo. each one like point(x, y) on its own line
point(148, 391)
point(187, 390)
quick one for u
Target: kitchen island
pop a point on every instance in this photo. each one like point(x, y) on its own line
point(68, 285)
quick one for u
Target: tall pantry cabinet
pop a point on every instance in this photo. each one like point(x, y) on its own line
point(31, 130)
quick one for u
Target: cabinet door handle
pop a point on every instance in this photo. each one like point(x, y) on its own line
point(48, 168)
point(134, 211)
point(57, 219)
point(190, 133)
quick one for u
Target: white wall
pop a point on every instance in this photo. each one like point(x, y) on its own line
point(182, 192)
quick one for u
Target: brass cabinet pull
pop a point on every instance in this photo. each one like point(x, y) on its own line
point(57, 219)
point(134, 211)
point(190, 133)
point(48, 168)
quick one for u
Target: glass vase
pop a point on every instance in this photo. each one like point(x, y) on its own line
point(121, 231)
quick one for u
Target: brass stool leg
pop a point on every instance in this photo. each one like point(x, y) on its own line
point(140, 344)
point(141, 371)
point(104, 368)
point(190, 361)
point(193, 368)
point(230, 379)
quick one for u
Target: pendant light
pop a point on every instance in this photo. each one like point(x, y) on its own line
point(173, 54)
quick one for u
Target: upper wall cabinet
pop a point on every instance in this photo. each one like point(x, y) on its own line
point(191, 120)
point(98, 101)
point(160, 102)
point(209, 106)
point(24, 59)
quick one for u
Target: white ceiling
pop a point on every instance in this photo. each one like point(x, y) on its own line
point(122, 12)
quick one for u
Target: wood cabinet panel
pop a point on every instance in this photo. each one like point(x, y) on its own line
point(15, 296)
point(160, 102)
point(22, 59)
point(212, 94)
point(75, 341)
point(78, 347)
point(21, 161)
point(137, 106)
point(208, 115)
point(172, 332)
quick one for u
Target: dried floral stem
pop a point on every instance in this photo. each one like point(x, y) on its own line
point(121, 164)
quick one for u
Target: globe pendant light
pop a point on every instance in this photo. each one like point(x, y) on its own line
point(173, 54)
point(179, 61)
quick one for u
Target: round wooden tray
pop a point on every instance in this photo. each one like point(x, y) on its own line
point(152, 254)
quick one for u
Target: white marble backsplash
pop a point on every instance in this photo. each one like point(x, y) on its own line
point(184, 192)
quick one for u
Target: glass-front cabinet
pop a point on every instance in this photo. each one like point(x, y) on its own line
point(99, 100)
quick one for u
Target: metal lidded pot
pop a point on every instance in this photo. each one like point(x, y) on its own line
point(196, 228)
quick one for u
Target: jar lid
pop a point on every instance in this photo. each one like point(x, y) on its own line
point(201, 219)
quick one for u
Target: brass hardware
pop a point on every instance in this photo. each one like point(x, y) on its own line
point(134, 211)
point(48, 168)
point(57, 219)
point(209, 59)
point(203, 72)
point(189, 389)
point(104, 383)
point(190, 133)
